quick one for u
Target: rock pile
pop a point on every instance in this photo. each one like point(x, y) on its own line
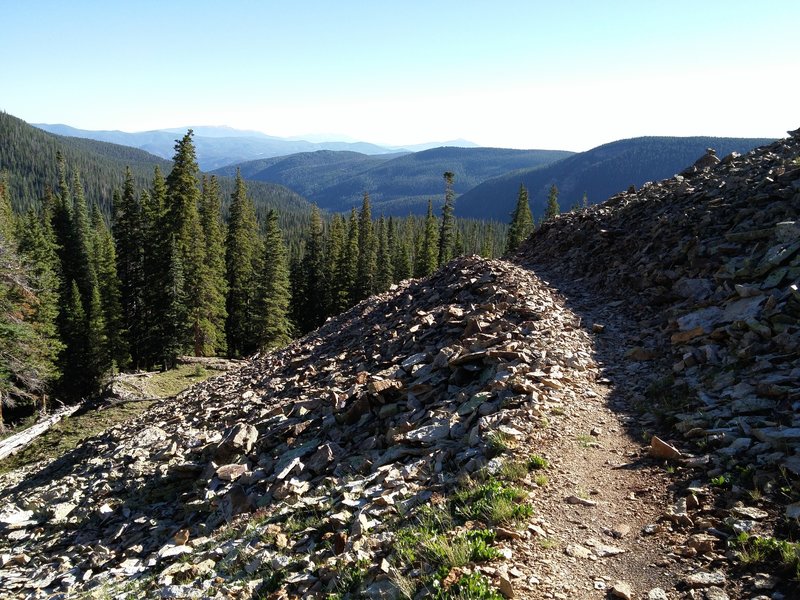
point(318, 449)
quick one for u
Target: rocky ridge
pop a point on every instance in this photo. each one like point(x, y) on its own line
point(708, 263)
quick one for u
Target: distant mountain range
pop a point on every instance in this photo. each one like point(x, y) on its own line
point(220, 146)
point(334, 175)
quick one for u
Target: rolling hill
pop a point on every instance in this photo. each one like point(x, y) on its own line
point(397, 186)
point(28, 158)
point(599, 172)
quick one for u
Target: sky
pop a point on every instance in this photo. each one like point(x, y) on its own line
point(568, 74)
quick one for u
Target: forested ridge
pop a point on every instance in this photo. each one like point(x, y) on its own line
point(178, 265)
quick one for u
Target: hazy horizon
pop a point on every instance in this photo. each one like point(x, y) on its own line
point(514, 75)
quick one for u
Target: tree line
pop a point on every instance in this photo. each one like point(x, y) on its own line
point(84, 294)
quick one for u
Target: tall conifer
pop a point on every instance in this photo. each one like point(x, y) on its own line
point(273, 289)
point(242, 260)
point(447, 230)
point(521, 221)
point(427, 254)
point(552, 210)
point(217, 287)
point(131, 246)
point(384, 274)
point(367, 253)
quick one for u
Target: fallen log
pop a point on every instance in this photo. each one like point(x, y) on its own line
point(18, 441)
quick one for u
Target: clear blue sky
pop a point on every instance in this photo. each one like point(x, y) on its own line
point(526, 74)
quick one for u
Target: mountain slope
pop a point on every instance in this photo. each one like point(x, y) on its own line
point(28, 156)
point(216, 146)
point(398, 186)
point(599, 172)
point(394, 451)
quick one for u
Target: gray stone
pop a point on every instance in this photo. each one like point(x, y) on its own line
point(704, 580)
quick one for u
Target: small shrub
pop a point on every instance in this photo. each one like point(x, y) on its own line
point(536, 462)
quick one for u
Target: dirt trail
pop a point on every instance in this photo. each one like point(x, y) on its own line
point(599, 520)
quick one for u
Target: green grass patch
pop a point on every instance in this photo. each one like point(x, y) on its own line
point(492, 502)
point(768, 551)
point(512, 470)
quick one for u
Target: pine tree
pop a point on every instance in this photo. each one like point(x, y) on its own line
point(401, 254)
point(97, 360)
point(170, 342)
point(384, 275)
point(81, 266)
point(346, 267)
point(334, 255)
point(183, 223)
point(131, 246)
point(105, 266)
point(156, 330)
point(367, 253)
point(447, 230)
point(310, 309)
point(76, 380)
point(521, 222)
point(552, 210)
point(242, 264)
point(274, 290)
point(217, 287)
point(427, 255)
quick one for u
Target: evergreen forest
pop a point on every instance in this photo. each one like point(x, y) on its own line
point(184, 263)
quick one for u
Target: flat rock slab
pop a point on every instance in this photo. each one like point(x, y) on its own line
point(704, 580)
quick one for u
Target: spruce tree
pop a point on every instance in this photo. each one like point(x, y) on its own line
point(274, 289)
point(76, 380)
point(552, 210)
point(367, 253)
point(158, 307)
point(347, 266)
point(183, 223)
point(242, 264)
point(79, 243)
point(98, 360)
point(312, 278)
point(131, 245)
point(384, 275)
point(447, 230)
point(427, 254)
point(217, 287)
point(521, 222)
point(105, 266)
point(334, 255)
